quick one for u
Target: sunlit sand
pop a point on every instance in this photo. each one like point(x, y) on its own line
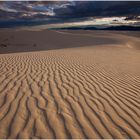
point(69, 84)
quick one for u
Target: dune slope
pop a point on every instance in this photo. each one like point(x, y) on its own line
point(87, 92)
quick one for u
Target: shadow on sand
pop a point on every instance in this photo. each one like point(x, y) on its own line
point(27, 41)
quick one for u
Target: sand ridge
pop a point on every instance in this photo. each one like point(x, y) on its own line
point(15, 41)
point(87, 92)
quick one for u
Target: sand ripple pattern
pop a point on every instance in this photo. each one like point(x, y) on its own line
point(69, 94)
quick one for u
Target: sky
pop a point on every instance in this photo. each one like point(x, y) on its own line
point(70, 13)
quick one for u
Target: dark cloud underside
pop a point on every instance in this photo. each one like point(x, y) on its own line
point(66, 11)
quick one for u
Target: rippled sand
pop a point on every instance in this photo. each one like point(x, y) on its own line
point(91, 91)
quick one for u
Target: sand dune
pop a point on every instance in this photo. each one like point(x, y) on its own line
point(13, 41)
point(91, 91)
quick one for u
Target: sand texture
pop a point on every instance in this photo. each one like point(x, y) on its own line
point(69, 84)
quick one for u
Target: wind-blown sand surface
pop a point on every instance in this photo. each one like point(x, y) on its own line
point(70, 91)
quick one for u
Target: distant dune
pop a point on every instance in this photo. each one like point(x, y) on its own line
point(111, 28)
point(69, 84)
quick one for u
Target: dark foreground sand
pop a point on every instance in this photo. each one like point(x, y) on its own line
point(69, 84)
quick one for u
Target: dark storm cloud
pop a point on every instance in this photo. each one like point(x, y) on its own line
point(102, 9)
point(133, 17)
point(65, 11)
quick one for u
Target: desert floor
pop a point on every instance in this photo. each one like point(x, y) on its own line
point(69, 84)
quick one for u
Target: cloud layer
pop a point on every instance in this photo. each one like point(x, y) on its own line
point(50, 12)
